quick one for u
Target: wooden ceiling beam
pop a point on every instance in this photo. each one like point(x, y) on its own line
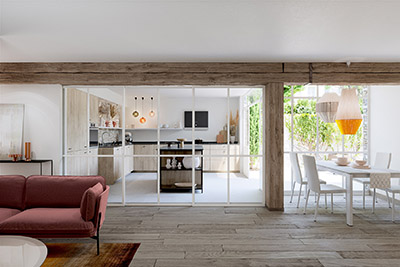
point(153, 79)
point(199, 73)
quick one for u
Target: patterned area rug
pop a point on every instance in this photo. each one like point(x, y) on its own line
point(84, 254)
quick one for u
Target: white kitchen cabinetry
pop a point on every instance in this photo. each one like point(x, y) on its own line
point(93, 161)
point(80, 164)
point(128, 166)
point(145, 163)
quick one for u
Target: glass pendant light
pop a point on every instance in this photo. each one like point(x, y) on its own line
point(152, 114)
point(327, 107)
point(348, 117)
point(135, 113)
point(142, 120)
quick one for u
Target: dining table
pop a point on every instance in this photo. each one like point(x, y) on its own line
point(350, 172)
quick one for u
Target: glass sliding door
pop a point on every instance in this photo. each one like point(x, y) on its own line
point(141, 142)
point(211, 135)
point(167, 145)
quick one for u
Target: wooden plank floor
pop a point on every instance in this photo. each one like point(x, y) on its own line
point(252, 236)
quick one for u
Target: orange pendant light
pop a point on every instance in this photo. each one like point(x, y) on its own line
point(142, 120)
point(348, 117)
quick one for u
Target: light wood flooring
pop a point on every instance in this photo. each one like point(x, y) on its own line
point(254, 236)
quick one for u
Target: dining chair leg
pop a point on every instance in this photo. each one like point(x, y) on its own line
point(364, 187)
point(316, 207)
point(387, 197)
point(326, 202)
point(373, 201)
point(291, 197)
point(298, 199)
point(393, 208)
point(305, 206)
point(332, 203)
point(305, 192)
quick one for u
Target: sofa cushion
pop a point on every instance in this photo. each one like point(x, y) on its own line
point(89, 199)
point(43, 221)
point(6, 213)
point(12, 191)
point(58, 191)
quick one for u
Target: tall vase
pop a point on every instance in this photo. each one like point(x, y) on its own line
point(28, 151)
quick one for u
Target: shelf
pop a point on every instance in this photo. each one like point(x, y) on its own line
point(110, 128)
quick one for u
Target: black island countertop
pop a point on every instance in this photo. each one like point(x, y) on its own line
point(119, 144)
point(185, 148)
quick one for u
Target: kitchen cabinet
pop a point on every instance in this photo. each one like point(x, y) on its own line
point(93, 161)
point(80, 164)
point(128, 166)
point(220, 164)
point(145, 163)
point(111, 167)
point(94, 117)
point(77, 120)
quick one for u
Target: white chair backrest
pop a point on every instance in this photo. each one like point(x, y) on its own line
point(311, 173)
point(382, 160)
point(294, 160)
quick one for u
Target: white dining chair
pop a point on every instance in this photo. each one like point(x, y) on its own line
point(394, 189)
point(314, 185)
point(382, 161)
point(298, 177)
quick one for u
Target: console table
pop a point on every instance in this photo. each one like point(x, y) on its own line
point(170, 177)
point(34, 161)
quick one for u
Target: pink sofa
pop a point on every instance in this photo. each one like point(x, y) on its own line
point(53, 206)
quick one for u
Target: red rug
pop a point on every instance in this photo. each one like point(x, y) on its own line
point(85, 254)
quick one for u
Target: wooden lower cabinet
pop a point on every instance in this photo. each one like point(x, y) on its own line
point(111, 167)
point(220, 164)
point(145, 163)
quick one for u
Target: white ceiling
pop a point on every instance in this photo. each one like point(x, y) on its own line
point(202, 30)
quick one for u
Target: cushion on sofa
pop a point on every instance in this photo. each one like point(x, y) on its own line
point(48, 221)
point(6, 213)
point(58, 191)
point(12, 191)
point(89, 199)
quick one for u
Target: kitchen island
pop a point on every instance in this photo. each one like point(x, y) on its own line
point(180, 180)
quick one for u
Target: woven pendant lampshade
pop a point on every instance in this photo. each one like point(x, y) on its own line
point(327, 107)
point(348, 117)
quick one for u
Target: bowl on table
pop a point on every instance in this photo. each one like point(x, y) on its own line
point(361, 162)
point(342, 161)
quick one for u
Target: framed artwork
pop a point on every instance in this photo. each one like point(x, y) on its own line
point(11, 129)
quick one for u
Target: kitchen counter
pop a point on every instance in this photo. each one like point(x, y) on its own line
point(175, 142)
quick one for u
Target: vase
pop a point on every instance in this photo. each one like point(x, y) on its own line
point(174, 163)
point(168, 165)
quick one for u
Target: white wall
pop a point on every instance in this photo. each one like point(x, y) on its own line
point(172, 112)
point(384, 122)
point(42, 124)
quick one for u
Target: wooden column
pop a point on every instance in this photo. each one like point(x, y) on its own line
point(273, 145)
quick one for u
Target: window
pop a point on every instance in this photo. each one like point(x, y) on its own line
point(306, 133)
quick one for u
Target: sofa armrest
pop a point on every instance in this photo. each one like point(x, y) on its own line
point(101, 206)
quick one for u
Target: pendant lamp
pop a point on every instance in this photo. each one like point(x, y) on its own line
point(135, 113)
point(327, 107)
point(142, 120)
point(348, 117)
point(152, 113)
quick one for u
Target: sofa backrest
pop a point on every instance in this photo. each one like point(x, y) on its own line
point(12, 189)
point(58, 191)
